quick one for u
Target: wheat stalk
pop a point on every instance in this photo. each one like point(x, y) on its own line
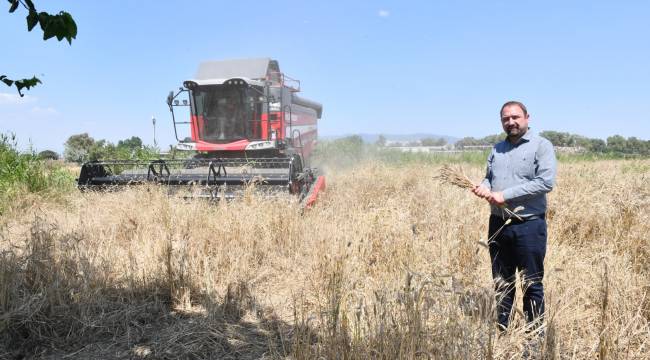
point(455, 176)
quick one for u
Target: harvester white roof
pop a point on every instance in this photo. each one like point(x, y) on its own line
point(254, 69)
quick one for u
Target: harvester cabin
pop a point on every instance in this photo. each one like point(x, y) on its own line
point(248, 99)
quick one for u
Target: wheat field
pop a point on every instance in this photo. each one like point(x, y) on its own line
point(391, 263)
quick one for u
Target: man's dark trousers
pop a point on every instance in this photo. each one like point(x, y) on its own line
point(520, 245)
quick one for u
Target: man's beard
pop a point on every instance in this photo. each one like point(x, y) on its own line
point(515, 133)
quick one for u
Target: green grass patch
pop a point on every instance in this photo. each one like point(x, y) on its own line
point(350, 151)
point(23, 173)
point(636, 167)
point(596, 156)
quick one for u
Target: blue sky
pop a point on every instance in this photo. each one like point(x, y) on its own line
point(393, 67)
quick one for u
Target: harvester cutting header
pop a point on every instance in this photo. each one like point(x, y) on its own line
point(247, 125)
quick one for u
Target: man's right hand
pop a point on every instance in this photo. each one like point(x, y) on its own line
point(482, 191)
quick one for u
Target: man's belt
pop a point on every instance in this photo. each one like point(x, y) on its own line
point(515, 220)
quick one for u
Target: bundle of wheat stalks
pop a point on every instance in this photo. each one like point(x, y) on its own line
point(455, 176)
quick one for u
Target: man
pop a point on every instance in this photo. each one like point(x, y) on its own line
point(520, 171)
point(229, 115)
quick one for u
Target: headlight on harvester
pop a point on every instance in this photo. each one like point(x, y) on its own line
point(190, 84)
point(235, 82)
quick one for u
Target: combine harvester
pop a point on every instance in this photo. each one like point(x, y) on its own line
point(247, 128)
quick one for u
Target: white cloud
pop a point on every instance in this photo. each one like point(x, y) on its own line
point(383, 13)
point(15, 99)
point(37, 110)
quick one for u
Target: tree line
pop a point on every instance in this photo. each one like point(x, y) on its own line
point(82, 147)
point(613, 144)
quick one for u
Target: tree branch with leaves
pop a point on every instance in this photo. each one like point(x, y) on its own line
point(61, 25)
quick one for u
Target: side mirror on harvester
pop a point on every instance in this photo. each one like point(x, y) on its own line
point(170, 97)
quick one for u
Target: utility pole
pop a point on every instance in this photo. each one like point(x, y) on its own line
point(153, 120)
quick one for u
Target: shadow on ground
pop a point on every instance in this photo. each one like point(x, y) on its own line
point(54, 305)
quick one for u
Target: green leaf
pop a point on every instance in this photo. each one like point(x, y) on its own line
point(21, 84)
point(30, 5)
point(70, 26)
point(32, 20)
point(56, 26)
point(4, 79)
point(48, 32)
point(61, 26)
point(43, 19)
point(26, 84)
point(14, 5)
point(47, 24)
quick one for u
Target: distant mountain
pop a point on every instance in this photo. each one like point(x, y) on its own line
point(371, 138)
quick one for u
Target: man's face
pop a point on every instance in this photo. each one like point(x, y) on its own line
point(513, 120)
point(232, 102)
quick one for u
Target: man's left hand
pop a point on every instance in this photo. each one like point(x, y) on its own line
point(496, 198)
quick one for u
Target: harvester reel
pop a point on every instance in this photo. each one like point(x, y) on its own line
point(214, 179)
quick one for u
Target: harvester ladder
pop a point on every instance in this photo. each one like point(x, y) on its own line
point(301, 147)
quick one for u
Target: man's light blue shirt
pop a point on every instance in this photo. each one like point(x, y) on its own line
point(524, 172)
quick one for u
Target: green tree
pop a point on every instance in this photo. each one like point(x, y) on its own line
point(467, 141)
point(616, 143)
point(567, 139)
point(78, 147)
point(132, 143)
point(433, 142)
point(597, 145)
point(381, 141)
point(560, 138)
point(101, 149)
point(634, 146)
point(82, 147)
point(554, 137)
point(583, 142)
point(493, 139)
point(48, 155)
point(61, 25)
